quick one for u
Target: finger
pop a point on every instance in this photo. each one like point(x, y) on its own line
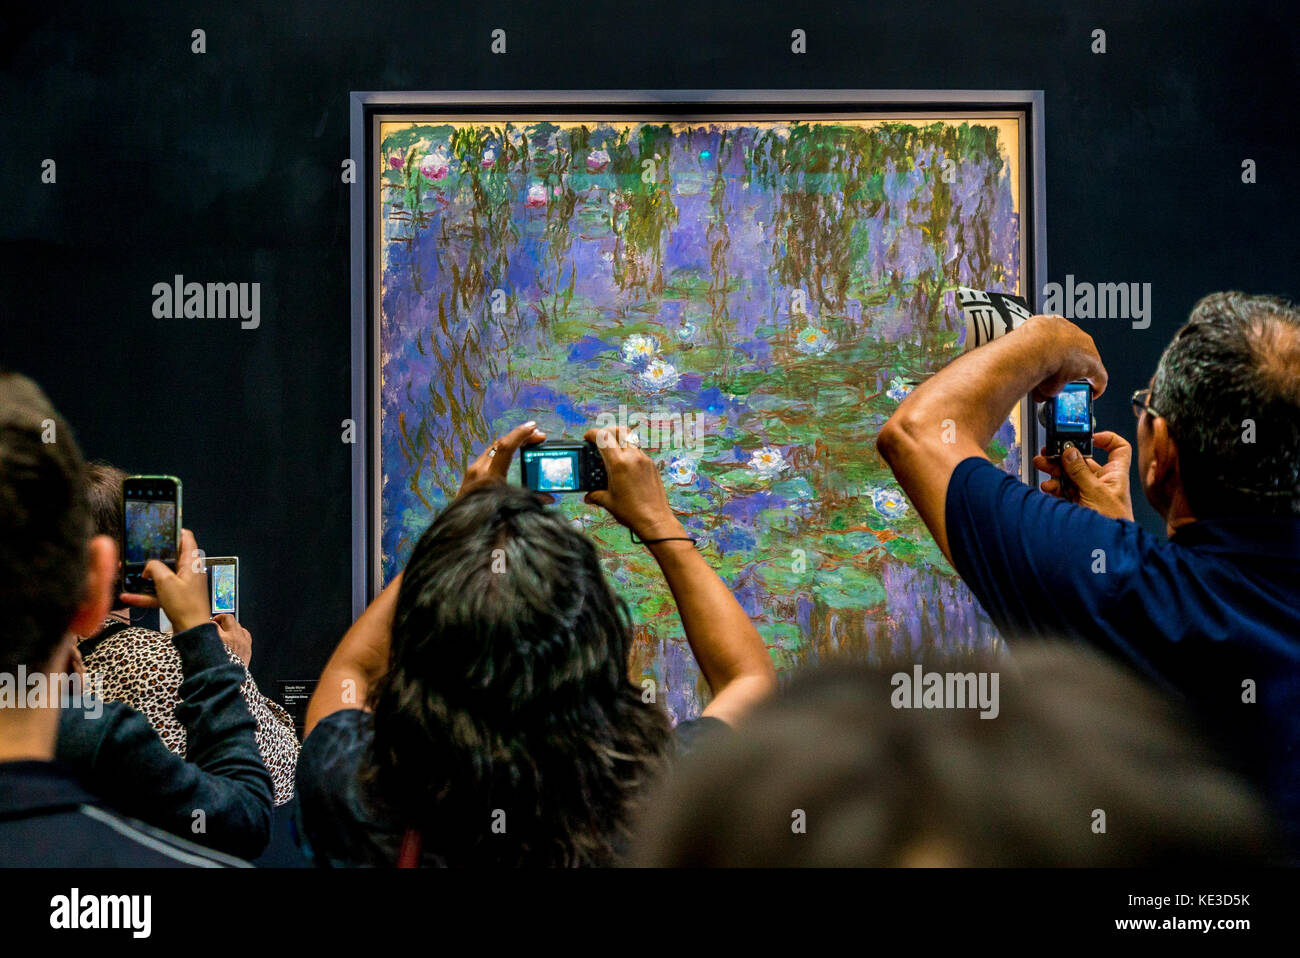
point(606, 443)
point(140, 600)
point(1076, 466)
point(1049, 466)
point(507, 445)
point(188, 555)
point(225, 621)
point(1116, 447)
point(1052, 487)
point(157, 570)
point(597, 498)
point(483, 463)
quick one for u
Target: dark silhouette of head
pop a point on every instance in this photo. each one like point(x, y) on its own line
point(1083, 764)
point(45, 525)
point(507, 730)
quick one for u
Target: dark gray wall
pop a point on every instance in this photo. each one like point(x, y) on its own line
point(225, 166)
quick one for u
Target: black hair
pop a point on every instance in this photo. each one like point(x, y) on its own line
point(1229, 387)
point(879, 785)
point(507, 730)
point(44, 525)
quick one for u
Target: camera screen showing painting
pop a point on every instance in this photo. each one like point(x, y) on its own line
point(758, 293)
point(1072, 413)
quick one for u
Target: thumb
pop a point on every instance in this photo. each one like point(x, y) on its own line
point(1076, 466)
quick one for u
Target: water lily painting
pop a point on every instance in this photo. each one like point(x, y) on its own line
point(789, 280)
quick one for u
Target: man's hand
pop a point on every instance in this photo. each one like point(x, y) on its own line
point(955, 413)
point(1074, 357)
point(636, 495)
point(494, 465)
point(183, 594)
point(238, 638)
point(1103, 489)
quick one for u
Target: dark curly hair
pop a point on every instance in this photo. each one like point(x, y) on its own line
point(507, 701)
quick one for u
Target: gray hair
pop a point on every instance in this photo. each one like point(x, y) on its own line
point(1229, 387)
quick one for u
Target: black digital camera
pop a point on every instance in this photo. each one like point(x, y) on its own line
point(1068, 418)
point(562, 467)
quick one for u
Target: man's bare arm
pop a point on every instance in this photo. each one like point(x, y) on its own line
point(954, 414)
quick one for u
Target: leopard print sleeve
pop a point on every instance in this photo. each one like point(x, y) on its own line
point(142, 669)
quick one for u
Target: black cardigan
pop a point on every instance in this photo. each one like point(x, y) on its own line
point(119, 756)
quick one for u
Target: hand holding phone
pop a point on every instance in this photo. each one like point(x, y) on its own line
point(182, 594)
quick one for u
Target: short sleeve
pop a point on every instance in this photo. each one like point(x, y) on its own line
point(338, 823)
point(1039, 566)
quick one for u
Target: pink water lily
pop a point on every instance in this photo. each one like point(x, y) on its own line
point(489, 158)
point(435, 166)
point(597, 160)
point(536, 195)
point(396, 162)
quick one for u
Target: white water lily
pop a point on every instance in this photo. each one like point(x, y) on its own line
point(659, 375)
point(639, 349)
point(768, 462)
point(813, 341)
point(890, 503)
point(681, 470)
point(898, 390)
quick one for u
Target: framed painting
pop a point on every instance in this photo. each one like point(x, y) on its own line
point(754, 278)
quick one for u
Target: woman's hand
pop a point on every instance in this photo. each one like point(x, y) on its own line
point(238, 638)
point(636, 495)
point(494, 464)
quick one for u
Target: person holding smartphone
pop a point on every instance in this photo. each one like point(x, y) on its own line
point(219, 793)
point(480, 711)
point(140, 666)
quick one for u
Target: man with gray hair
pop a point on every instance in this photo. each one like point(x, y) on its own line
point(1212, 608)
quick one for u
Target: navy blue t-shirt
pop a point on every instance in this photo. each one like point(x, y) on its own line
point(1201, 613)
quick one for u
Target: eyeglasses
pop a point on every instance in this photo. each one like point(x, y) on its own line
point(1140, 404)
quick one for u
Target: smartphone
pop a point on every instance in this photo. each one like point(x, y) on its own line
point(562, 467)
point(151, 527)
point(1068, 418)
point(223, 584)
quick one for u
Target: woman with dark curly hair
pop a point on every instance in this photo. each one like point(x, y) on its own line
point(500, 726)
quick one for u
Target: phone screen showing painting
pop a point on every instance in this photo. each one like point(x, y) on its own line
point(761, 294)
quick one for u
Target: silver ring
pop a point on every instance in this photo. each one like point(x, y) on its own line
point(492, 452)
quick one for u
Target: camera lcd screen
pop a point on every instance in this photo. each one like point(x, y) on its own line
point(150, 531)
point(1072, 414)
point(223, 587)
point(552, 470)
